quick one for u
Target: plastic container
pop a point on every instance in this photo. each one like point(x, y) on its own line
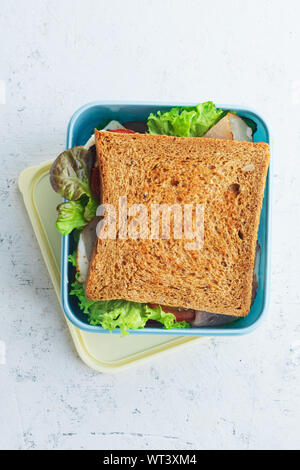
point(106, 352)
point(80, 128)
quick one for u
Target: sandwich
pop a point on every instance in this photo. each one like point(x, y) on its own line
point(187, 161)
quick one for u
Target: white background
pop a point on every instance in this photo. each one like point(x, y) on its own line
point(223, 393)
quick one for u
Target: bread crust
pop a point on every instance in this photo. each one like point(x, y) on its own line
point(227, 177)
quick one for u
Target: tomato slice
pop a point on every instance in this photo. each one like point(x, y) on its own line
point(122, 131)
point(95, 182)
point(181, 315)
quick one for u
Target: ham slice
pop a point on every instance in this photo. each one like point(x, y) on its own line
point(230, 127)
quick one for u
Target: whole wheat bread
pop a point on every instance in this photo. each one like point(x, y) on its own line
point(228, 177)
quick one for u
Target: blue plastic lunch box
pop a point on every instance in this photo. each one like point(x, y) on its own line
point(80, 128)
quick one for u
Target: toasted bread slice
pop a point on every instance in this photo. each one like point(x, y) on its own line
point(227, 177)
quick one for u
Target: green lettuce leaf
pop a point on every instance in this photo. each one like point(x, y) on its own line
point(73, 258)
point(167, 319)
point(188, 121)
point(122, 314)
point(70, 217)
point(70, 177)
point(75, 215)
point(91, 208)
point(70, 173)
point(83, 302)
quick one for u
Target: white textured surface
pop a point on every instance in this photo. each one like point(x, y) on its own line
point(223, 393)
